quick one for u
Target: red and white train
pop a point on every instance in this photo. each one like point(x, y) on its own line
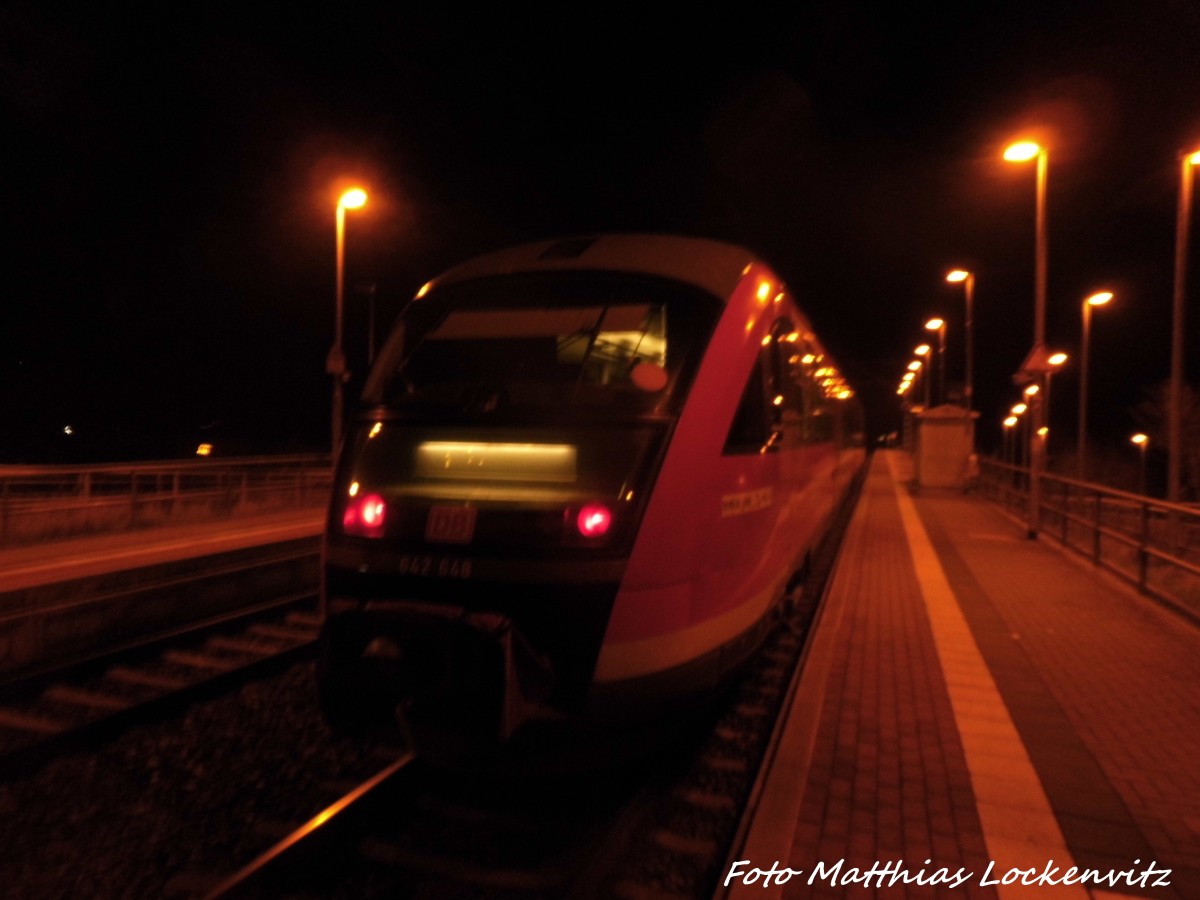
point(581, 478)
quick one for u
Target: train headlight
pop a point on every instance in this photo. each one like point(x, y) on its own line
point(594, 520)
point(365, 515)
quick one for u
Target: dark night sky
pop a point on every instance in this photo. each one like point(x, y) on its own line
point(169, 188)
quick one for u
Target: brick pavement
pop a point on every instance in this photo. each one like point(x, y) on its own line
point(972, 696)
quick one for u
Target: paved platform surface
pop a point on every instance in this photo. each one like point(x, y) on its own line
point(53, 561)
point(979, 708)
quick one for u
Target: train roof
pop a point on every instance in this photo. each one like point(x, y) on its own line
point(714, 266)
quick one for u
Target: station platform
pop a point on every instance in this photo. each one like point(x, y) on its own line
point(52, 562)
point(979, 713)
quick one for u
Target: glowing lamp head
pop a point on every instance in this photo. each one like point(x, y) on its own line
point(1057, 359)
point(1010, 421)
point(1099, 299)
point(365, 515)
point(354, 198)
point(957, 275)
point(1194, 159)
point(1140, 439)
point(1022, 151)
point(594, 520)
point(934, 324)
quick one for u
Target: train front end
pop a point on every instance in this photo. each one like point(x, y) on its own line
point(489, 494)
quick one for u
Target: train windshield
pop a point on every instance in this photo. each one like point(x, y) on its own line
point(567, 342)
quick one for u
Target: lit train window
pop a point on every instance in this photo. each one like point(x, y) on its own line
point(559, 341)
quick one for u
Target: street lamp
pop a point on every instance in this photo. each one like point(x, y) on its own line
point(1175, 391)
point(1097, 299)
point(968, 282)
point(939, 325)
point(1009, 424)
point(335, 365)
point(1023, 151)
point(1142, 441)
point(923, 351)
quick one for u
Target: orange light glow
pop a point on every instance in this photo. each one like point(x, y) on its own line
point(1019, 408)
point(354, 198)
point(1057, 359)
point(1030, 390)
point(1194, 159)
point(1099, 299)
point(1022, 151)
point(1140, 439)
point(922, 350)
point(1010, 421)
point(957, 275)
point(934, 324)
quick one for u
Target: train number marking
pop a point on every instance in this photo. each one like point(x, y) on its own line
point(450, 524)
point(746, 502)
point(433, 566)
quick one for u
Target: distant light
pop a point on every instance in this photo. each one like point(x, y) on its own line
point(204, 450)
point(1022, 151)
point(424, 289)
point(808, 359)
point(778, 400)
point(1099, 299)
point(375, 429)
point(1140, 439)
point(1043, 431)
point(68, 430)
point(1057, 359)
point(353, 199)
point(958, 275)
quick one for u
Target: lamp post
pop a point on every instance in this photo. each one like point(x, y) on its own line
point(354, 198)
point(923, 351)
point(968, 283)
point(939, 325)
point(1023, 151)
point(1009, 424)
point(1141, 441)
point(1097, 299)
point(1175, 390)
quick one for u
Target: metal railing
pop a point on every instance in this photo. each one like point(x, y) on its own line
point(1153, 544)
point(39, 503)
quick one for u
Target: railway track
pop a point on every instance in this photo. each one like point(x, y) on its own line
point(85, 701)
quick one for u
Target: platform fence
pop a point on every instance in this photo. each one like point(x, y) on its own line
point(1153, 544)
point(39, 503)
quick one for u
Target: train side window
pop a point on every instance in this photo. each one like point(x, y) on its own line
point(749, 431)
point(766, 409)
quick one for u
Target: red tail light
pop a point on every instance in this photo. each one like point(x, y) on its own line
point(594, 520)
point(365, 515)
